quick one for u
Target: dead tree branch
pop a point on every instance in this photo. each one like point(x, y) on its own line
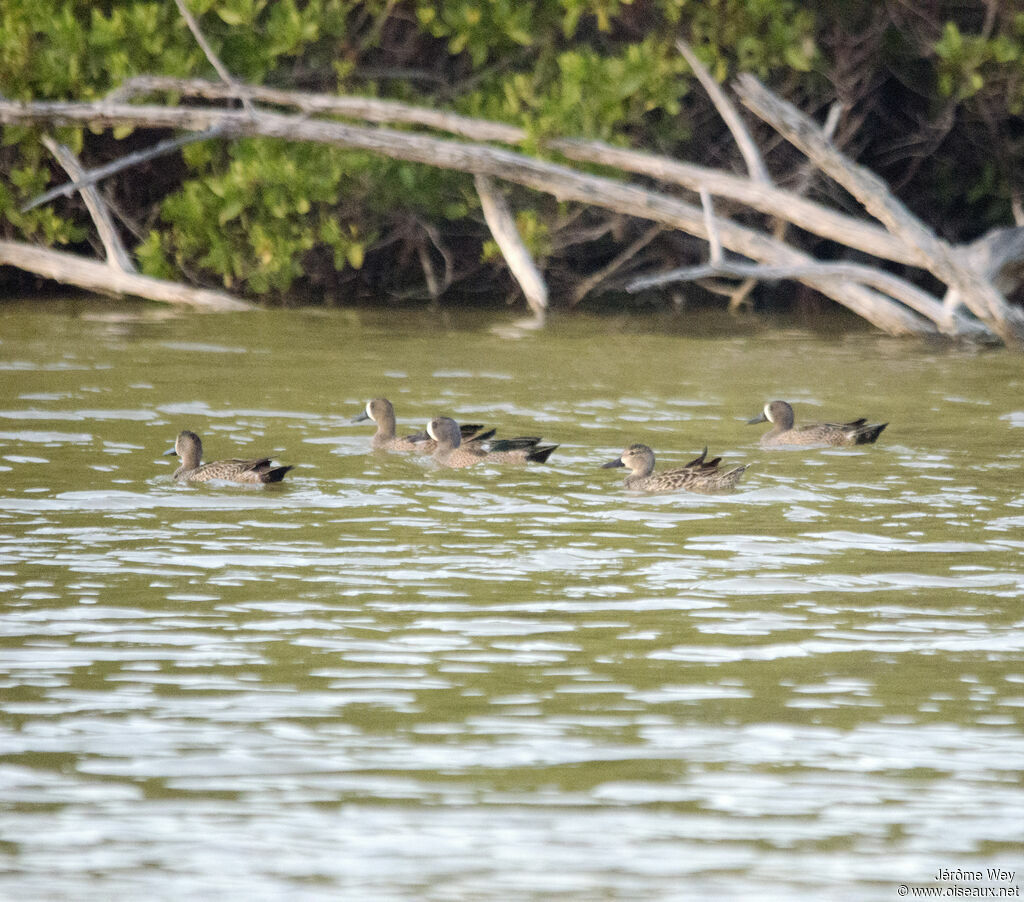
point(891, 303)
point(751, 154)
point(503, 227)
point(204, 45)
point(93, 176)
point(977, 293)
point(117, 256)
point(95, 276)
point(562, 182)
point(763, 197)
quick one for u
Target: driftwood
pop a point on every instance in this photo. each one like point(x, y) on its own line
point(93, 275)
point(890, 302)
point(117, 256)
point(563, 182)
point(977, 293)
point(503, 227)
point(118, 276)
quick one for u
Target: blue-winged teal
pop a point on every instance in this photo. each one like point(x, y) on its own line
point(780, 415)
point(699, 475)
point(190, 449)
point(451, 452)
point(382, 413)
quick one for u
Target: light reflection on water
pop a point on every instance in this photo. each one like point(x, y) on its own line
point(380, 680)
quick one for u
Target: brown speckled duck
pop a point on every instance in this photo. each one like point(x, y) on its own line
point(783, 432)
point(381, 411)
point(451, 452)
point(699, 475)
point(189, 448)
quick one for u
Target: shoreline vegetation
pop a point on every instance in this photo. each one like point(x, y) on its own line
point(545, 155)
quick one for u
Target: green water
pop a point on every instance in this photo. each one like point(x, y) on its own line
point(384, 681)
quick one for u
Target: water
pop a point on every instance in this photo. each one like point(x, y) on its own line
point(384, 681)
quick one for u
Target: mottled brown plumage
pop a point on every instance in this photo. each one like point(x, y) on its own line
point(381, 411)
point(452, 453)
point(189, 448)
point(699, 475)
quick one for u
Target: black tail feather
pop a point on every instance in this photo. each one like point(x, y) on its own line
point(540, 453)
point(514, 444)
point(867, 435)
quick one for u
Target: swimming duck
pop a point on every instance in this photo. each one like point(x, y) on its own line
point(780, 415)
point(189, 448)
point(451, 452)
point(381, 411)
point(699, 475)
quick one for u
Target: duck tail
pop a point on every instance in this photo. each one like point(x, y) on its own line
point(867, 435)
point(540, 453)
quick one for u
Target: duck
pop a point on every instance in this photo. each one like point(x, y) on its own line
point(189, 447)
point(451, 452)
point(783, 432)
point(699, 475)
point(382, 412)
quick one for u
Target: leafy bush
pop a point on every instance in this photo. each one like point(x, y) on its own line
point(263, 217)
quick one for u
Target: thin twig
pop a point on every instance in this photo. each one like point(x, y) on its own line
point(892, 286)
point(222, 70)
point(433, 287)
point(592, 281)
point(92, 176)
point(435, 238)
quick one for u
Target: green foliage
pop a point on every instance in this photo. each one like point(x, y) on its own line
point(967, 62)
point(758, 36)
point(486, 29)
point(252, 219)
point(584, 93)
point(259, 215)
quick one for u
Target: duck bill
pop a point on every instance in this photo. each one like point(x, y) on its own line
point(613, 463)
point(169, 453)
point(760, 418)
point(362, 418)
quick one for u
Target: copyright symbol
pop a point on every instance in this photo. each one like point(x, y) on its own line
point(902, 889)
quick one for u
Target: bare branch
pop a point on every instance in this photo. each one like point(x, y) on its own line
point(884, 282)
point(564, 183)
point(559, 181)
point(428, 271)
point(92, 176)
point(222, 70)
point(95, 276)
point(591, 282)
point(714, 242)
point(812, 217)
point(449, 268)
point(747, 147)
point(503, 227)
point(980, 296)
point(368, 109)
point(117, 256)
